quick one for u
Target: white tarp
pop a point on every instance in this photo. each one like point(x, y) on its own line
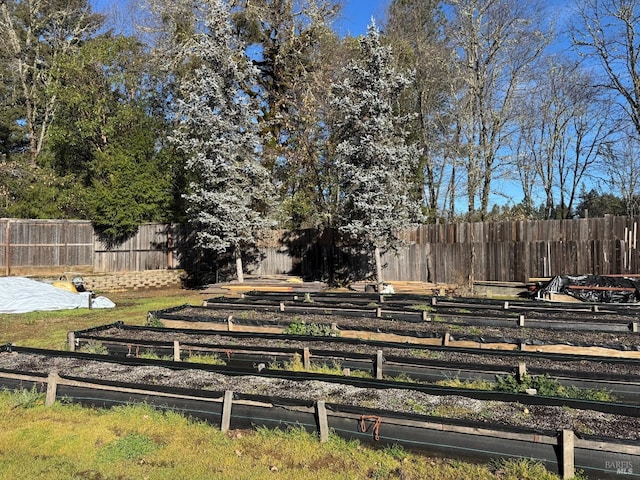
point(20, 295)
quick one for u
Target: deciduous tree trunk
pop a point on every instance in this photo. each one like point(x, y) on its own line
point(239, 268)
point(379, 282)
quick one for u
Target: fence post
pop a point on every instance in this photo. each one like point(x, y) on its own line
point(225, 423)
point(522, 370)
point(568, 454)
point(323, 424)
point(71, 341)
point(379, 360)
point(169, 246)
point(52, 388)
point(7, 248)
point(306, 358)
point(176, 351)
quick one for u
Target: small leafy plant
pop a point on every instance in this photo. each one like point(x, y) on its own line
point(154, 321)
point(27, 398)
point(425, 353)
point(550, 387)
point(296, 365)
point(150, 355)
point(310, 329)
point(472, 384)
point(423, 308)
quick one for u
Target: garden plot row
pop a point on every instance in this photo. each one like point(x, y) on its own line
point(248, 353)
point(492, 314)
point(407, 300)
point(432, 330)
point(227, 401)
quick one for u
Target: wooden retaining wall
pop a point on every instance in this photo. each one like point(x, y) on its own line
point(447, 253)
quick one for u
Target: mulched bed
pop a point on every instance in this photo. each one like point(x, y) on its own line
point(532, 336)
point(399, 400)
point(417, 352)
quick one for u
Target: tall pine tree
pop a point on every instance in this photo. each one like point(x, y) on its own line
point(373, 159)
point(218, 132)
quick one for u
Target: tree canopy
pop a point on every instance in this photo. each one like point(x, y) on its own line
point(463, 109)
point(229, 196)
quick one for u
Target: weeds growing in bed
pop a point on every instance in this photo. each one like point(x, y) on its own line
point(547, 386)
point(335, 368)
point(209, 359)
point(94, 347)
point(310, 329)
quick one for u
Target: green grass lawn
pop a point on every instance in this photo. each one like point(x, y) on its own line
point(137, 442)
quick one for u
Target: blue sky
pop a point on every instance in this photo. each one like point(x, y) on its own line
point(357, 14)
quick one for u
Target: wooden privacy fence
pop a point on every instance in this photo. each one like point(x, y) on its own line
point(458, 253)
point(54, 246)
point(518, 250)
point(451, 253)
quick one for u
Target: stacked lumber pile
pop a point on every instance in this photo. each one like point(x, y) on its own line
point(269, 283)
point(408, 287)
point(286, 284)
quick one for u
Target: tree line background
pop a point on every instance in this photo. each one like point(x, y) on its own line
point(497, 92)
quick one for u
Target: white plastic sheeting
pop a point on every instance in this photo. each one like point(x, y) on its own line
point(21, 295)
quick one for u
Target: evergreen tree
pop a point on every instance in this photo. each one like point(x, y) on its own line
point(372, 157)
point(218, 131)
point(595, 204)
